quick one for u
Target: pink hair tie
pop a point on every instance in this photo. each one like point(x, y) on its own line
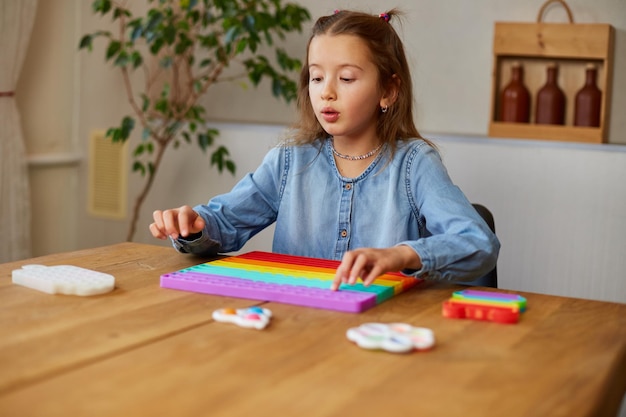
point(385, 16)
point(337, 11)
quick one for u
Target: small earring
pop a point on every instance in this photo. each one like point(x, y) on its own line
point(384, 109)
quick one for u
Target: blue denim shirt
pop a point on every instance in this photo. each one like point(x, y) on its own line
point(407, 200)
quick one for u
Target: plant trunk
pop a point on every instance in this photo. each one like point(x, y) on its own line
point(146, 189)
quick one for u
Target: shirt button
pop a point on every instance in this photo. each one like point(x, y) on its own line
point(348, 186)
point(344, 233)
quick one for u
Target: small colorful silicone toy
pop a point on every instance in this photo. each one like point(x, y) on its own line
point(63, 279)
point(484, 305)
point(394, 337)
point(253, 317)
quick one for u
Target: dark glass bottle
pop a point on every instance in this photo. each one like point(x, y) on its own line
point(550, 104)
point(588, 100)
point(515, 99)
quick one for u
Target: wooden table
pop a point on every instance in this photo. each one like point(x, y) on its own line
point(142, 350)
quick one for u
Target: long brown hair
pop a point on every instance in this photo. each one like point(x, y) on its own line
point(387, 54)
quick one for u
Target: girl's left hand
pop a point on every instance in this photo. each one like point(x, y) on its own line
point(370, 263)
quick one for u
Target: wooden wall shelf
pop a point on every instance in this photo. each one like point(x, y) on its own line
point(535, 45)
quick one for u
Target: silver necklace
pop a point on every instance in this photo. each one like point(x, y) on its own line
point(355, 158)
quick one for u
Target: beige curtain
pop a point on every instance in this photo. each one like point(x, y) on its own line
point(16, 23)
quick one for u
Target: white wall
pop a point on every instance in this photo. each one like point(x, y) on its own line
point(558, 208)
point(560, 213)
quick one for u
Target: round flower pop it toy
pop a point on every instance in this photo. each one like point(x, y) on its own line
point(393, 337)
point(254, 317)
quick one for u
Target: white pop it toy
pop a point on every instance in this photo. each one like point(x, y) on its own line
point(252, 317)
point(393, 337)
point(63, 279)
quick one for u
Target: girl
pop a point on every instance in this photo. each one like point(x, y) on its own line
point(357, 182)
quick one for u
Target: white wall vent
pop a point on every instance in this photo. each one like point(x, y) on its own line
point(108, 177)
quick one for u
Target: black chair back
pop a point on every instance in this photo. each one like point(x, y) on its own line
point(491, 278)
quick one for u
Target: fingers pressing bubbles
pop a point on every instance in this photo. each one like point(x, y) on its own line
point(176, 222)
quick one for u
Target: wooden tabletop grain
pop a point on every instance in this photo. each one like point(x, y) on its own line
point(142, 350)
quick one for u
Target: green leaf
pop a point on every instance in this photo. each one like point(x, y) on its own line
point(194, 16)
point(155, 17)
point(128, 123)
point(222, 55)
point(86, 42)
point(249, 23)
point(136, 59)
point(197, 86)
point(156, 46)
point(113, 48)
point(173, 127)
point(113, 133)
point(183, 26)
point(241, 46)
point(151, 168)
point(139, 167)
point(169, 34)
point(101, 6)
point(286, 62)
point(204, 141)
point(184, 43)
point(277, 88)
point(165, 92)
point(218, 158)
point(162, 105)
point(122, 59)
point(209, 41)
point(230, 166)
point(139, 150)
point(119, 12)
point(145, 134)
point(137, 31)
point(231, 35)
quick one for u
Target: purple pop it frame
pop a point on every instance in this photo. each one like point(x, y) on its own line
point(344, 300)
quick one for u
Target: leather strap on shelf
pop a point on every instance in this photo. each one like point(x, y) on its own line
point(562, 3)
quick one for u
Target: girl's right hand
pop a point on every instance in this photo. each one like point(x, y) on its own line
point(173, 223)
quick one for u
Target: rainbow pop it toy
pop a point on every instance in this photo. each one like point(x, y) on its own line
point(492, 306)
point(285, 279)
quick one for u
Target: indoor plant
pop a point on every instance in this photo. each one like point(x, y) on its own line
point(183, 47)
